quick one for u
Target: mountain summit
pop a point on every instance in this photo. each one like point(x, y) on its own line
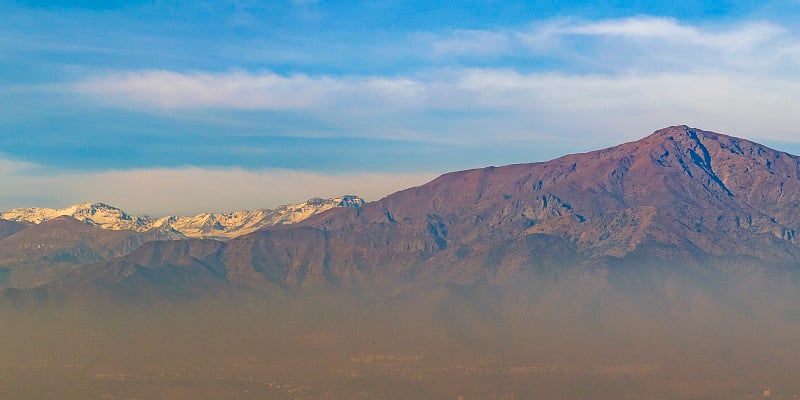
point(97, 214)
point(680, 190)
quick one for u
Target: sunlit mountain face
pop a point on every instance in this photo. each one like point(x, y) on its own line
point(660, 268)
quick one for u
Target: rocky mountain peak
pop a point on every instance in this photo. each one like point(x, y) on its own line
point(350, 201)
point(679, 188)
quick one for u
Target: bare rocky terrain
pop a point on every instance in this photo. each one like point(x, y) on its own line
point(679, 196)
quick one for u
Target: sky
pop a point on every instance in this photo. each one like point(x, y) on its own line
point(177, 107)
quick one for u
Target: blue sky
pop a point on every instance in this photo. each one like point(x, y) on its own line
point(177, 107)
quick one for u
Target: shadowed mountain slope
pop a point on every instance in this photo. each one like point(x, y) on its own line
point(46, 251)
point(8, 228)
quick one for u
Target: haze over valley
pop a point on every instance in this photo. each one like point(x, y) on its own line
point(660, 268)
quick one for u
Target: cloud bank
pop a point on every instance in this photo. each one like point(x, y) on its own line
point(642, 73)
point(530, 102)
point(190, 190)
point(240, 90)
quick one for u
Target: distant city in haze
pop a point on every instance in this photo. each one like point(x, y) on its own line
point(182, 107)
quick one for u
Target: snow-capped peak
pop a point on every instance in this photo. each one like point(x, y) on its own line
point(206, 225)
point(97, 214)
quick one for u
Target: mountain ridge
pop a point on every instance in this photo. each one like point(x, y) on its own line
point(680, 196)
point(48, 245)
point(220, 226)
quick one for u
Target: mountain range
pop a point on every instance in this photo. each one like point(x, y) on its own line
point(37, 245)
point(699, 201)
point(219, 226)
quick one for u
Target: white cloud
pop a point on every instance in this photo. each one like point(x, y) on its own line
point(626, 107)
point(639, 73)
point(187, 191)
point(620, 45)
point(742, 37)
point(167, 89)
point(238, 90)
point(530, 102)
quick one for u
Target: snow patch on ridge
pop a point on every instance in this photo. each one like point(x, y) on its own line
point(206, 225)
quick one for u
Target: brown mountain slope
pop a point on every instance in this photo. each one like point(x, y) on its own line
point(46, 251)
point(678, 186)
point(143, 277)
point(8, 228)
point(678, 194)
